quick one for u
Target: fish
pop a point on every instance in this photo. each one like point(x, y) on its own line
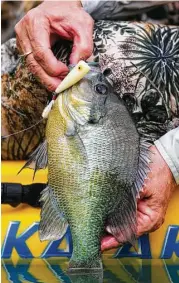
point(97, 164)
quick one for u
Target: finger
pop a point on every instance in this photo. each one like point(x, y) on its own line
point(22, 40)
point(145, 216)
point(50, 82)
point(143, 224)
point(109, 242)
point(148, 223)
point(40, 41)
point(83, 43)
point(144, 207)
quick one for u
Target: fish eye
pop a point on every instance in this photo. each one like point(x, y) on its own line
point(101, 88)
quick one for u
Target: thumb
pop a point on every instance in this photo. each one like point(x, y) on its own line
point(82, 45)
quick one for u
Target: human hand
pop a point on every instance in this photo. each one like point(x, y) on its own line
point(40, 29)
point(154, 199)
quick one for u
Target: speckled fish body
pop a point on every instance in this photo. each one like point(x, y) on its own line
point(93, 159)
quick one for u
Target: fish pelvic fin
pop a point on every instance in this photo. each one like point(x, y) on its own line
point(38, 159)
point(53, 225)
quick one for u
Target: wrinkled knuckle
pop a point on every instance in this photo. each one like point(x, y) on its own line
point(39, 54)
point(33, 67)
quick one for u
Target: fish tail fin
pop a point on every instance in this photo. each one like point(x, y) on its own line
point(38, 159)
point(53, 225)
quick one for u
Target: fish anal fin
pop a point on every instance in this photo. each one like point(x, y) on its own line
point(53, 225)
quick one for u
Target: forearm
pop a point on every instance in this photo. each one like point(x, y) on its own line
point(168, 146)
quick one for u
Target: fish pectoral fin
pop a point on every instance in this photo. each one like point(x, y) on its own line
point(38, 159)
point(53, 225)
point(122, 223)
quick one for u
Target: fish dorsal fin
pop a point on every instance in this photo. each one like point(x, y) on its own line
point(38, 159)
point(122, 223)
point(53, 224)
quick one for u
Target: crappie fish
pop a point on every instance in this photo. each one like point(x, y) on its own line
point(96, 167)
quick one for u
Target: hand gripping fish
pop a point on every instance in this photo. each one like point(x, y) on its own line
point(96, 167)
